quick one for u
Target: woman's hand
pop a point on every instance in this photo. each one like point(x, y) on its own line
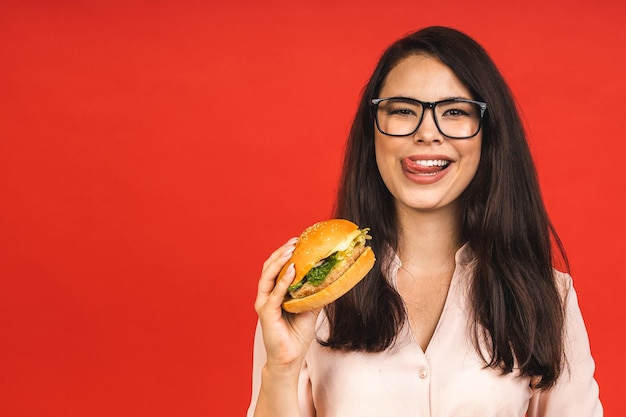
point(286, 336)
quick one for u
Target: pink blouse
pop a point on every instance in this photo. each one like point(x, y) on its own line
point(449, 379)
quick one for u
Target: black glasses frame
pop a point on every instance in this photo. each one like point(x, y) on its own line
point(430, 105)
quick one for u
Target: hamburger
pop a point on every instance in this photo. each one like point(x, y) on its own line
point(330, 258)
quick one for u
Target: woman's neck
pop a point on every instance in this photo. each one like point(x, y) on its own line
point(429, 239)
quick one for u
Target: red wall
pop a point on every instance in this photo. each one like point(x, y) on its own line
point(152, 156)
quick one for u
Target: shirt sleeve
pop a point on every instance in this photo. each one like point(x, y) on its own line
point(258, 361)
point(576, 393)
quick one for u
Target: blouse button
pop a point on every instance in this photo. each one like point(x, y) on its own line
point(423, 373)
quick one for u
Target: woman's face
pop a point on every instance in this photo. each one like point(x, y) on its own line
point(426, 171)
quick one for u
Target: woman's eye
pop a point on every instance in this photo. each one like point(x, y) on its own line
point(402, 111)
point(458, 109)
point(455, 112)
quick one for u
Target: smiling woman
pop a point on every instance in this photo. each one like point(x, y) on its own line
point(465, 289)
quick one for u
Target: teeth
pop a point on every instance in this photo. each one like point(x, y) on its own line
point(431, 162)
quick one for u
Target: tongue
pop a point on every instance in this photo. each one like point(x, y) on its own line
point(416, 168)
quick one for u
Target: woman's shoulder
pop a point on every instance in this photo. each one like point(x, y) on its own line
point(564, 281)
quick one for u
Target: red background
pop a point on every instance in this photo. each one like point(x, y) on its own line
point(153, 154)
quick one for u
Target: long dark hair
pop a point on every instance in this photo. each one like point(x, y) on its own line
point(516, 308)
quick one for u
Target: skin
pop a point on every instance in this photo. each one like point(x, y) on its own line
point(429, 235)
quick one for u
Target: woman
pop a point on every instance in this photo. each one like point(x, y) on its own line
point(463, 315)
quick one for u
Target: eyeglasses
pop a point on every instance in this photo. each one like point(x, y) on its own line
point(456, 118)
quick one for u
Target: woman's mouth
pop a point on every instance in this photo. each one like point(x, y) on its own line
point(427, 167)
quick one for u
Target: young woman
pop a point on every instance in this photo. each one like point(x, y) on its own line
point(463, 314)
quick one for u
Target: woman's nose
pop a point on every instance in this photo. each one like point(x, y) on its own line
point(428, 131)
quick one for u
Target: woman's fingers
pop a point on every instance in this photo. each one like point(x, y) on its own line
point(280, 290)
point(272, 267)
point(270, 263)
point(286, 336)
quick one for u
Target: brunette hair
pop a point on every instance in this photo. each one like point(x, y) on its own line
point(517, 312)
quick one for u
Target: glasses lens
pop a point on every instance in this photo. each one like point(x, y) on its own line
point(458, 119)
point(398, 117)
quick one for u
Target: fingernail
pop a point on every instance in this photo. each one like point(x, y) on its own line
point(292, 241)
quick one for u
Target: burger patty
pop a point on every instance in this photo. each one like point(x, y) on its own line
point(336, 272)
